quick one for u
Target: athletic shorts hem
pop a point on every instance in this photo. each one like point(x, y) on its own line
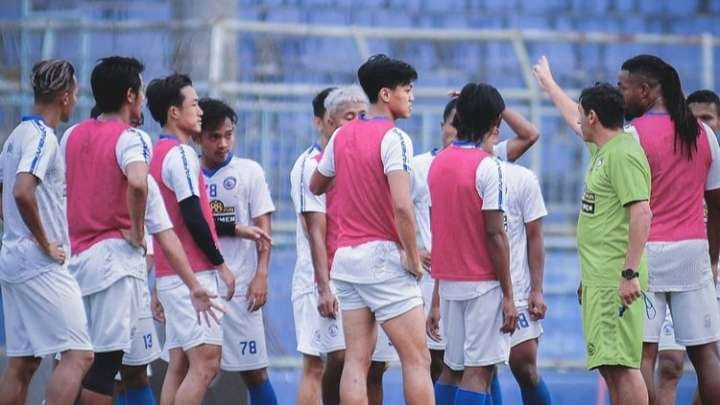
point(244, 367)
point(384, 359)
point(142, 362)
point(112, 348)
point(597, 363)
point(50, 351)
point(529, 337)
point(435, 346)
point(697, 342)
point(352, 307)
point(334, 349)
point(193, 344)
point(307, 351)
point(671, 348)
point(482, 363)
point(399, 310)
point(651, 339)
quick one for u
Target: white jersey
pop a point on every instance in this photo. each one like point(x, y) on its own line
point(32, 148)
point(238, 194)
point(304, 201)
point(156, 216)
point(524, 204)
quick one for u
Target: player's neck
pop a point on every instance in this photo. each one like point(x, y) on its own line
point(50, 114)
point(123, 115)
point(605, 135)
point(173, 129)
point(381, 110)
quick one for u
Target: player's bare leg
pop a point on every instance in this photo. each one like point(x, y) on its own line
point(204, 364)
point(407, 334)
point(706, 361)
point(436, 364)
point(670, 369)
point(360, 336)
point(310, 381)
point(331, 377)
point(16, 379)
point(66, 378)
point(626, 385)
point(174, 375)
point(647, 367)
point(375, 382)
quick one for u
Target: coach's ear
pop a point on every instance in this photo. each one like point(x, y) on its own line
point(130, 96)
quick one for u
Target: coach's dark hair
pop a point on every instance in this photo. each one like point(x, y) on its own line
point(50, 77)
point(318, 102)
point(164, 93)
point(478, 109)
point(214, 113)
point(608, 103)
point(110, 80)
point(381, 71)
point(449, 107)
point(656, 71)
point(704, 96)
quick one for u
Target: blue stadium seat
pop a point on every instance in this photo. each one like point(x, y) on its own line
point(328, 17)
point(525, 22)
point(683, 8)
point(590, 8)
point(286, 15)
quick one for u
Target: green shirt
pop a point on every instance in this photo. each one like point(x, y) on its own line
point(618, 175)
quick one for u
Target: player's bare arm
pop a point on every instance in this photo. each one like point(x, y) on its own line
point(498, 243)
point(200, 297)
point(640, 217)
point(568, 107)
point(319, 183)
point(316, 225)
point(399, 181)
point(257, 290)
point(432, 324)
point(712, 201)
point(536, 262)
point(136, 200)
point(527, 134)
point(262, 239)
point(26, 200)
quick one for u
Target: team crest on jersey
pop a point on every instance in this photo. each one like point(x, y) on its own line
point(229, 183)
point(588, 203)
point(221, 212)
point(333, 330)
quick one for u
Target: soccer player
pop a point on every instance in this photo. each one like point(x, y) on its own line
point(315, 304)
point(367, 157)
point(705, 106)
point(194, 348)
point(682, 254)
point(509, 150)
point(241, 206)
point(43, 308)
point(466, 186)
point(107, 163)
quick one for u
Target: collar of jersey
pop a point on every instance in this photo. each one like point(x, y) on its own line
point(316, 146)
point(434, 151)
point(32, 118)
point(169, 136)
point(364, 117)
point(211, 172)
point(465, 144)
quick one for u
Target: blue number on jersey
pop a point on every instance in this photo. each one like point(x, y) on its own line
point(250, 345)
point(213, 190)
point(148, 341)
point(522, 321)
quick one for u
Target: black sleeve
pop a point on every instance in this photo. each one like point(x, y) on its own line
point(224, 228)
point(200, 229)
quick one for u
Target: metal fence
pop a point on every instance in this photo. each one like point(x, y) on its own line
point(264, 70)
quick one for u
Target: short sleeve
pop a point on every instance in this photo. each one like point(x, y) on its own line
point(490, 184)
point(713, 178)
point(309, 202)
point(64, 140)
point(501, 150)
point(181, 171)
point(396, 150)
point(132, 146)
point(533, 205)
point(260, 200)
point(629, 174)
point(156, 216)
point(38, 151)
point(326, 167)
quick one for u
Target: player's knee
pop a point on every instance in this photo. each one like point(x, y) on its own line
point(526, 373)
point(255, 377)
point(80, 359)
point(100, 377)
point(670, 369)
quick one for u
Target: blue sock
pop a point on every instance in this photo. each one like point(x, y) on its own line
point(137, 396)
point(495, 392)
point(537, 395)
point(262, 394)
point(471, 398)
point(445, 394)
point(121, 398)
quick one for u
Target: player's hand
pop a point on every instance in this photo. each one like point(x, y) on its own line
point(425, 259)
point(432, 324)
point(202, 301)
point(228, 278)
point(135, 239)
point(714, 268)
point(412, 265)
point(579, 293)
point(327, 303)
point(262, 239)
point(509, 316)
point(55, 251)
point(629, 291)
point(536, 305)
point(543, 74)
point(156, 307)
point(257, 292)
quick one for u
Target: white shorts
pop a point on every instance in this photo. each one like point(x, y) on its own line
point(145, 347)
point(667, 335)
point(244, 345)
point(181, 326)
point(696, 319)
point(44, 315)
point(527, 328)
point(317, 335)
point(476, 339)
point(387, 299)
point(113, 313)
point(426, 286)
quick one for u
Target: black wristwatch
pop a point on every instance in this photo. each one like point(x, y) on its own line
point(629, 274)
